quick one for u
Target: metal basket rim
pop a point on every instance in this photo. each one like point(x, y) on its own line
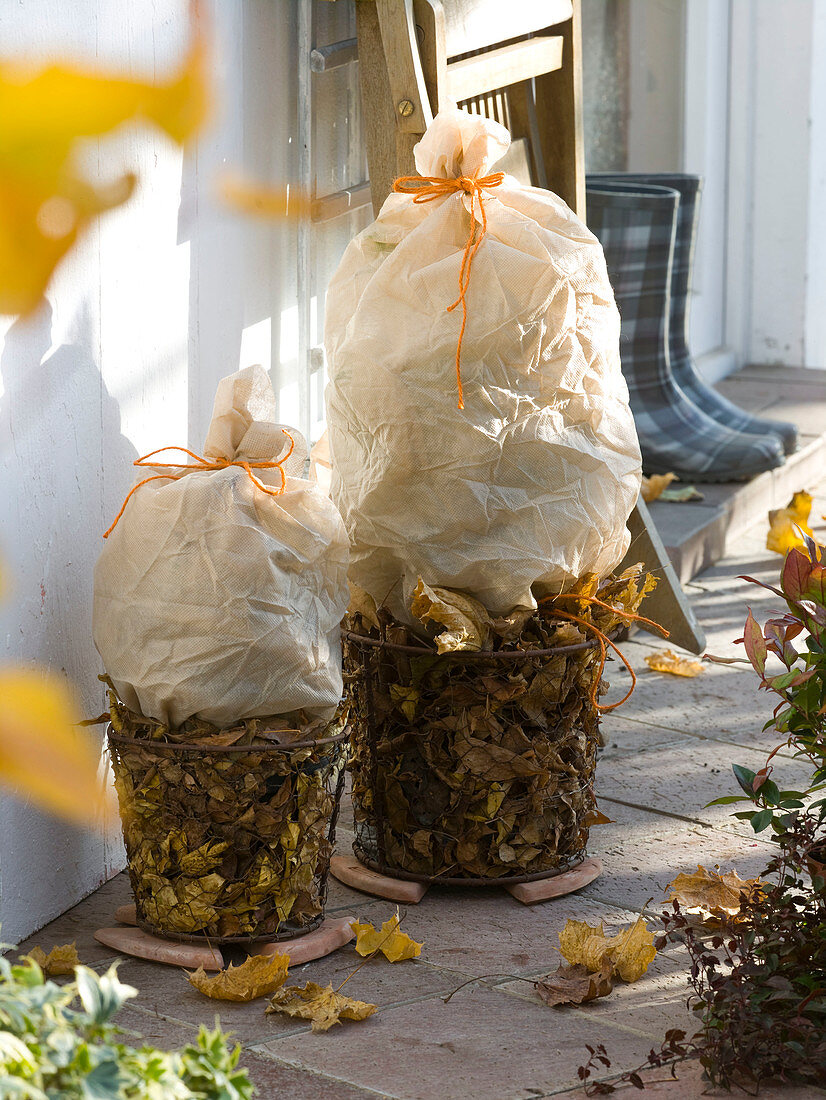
point(283, 936)
point(444, 880)
point(172, 746)
point(485, 654)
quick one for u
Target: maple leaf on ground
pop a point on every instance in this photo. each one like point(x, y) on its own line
point(323, 1005)
point(395, 945)
point(784, 523)
point(629, 952)
point(709, 891)
point(257, 976)
point(669, 662)
point(575, 985)
point(60, 961)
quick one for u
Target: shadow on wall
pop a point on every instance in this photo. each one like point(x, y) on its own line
point(63, 463)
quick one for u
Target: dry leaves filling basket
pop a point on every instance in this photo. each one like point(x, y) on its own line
point(469, 767)
point(228, 832)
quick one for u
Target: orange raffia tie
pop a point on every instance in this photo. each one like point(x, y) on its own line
point(202, 463)
point(603, 640)
point(428, 188)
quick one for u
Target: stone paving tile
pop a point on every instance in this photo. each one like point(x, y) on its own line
point(623, 738)
point(649, 1006)
point(485, 931)
point(483, 1045)
point(270, 1076)
point(80, 923)
point(144, 1025)
point(720, 701)
point(274, 1078)
point(692, 1085)
point(629, 736)
point(642, 852)
point(676, 778)
point(166, 991)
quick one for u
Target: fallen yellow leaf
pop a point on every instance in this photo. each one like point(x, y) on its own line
point(654, 485)
point(43, 755)
point(629, 952)
point(257, 976)
point(783, 522)
point(45, 201)
point(668, 661)
point(60, 961)
point(467, 621)
point(395, 945)
point(709, 891)
point(323, 1005)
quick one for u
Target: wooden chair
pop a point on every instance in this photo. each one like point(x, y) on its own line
point(519, 62)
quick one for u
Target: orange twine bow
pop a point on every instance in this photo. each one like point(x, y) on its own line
point(604, 640)
point(202, 463)
point(428, 188)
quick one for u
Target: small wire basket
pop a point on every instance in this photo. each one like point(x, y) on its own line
point(472, 768)
point(229, 843)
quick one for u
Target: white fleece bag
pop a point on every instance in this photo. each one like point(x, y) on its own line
point(530, 485)
point(216, 599)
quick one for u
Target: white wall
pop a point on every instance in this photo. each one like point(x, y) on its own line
point(777, 182)
point(164, 297)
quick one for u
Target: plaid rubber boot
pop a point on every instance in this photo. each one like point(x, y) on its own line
point(637, 229)
point(686, 375)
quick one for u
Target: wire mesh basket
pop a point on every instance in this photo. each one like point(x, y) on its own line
point(472, 768)
point(229, 842)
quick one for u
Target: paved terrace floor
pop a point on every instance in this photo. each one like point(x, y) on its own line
point(668, 753)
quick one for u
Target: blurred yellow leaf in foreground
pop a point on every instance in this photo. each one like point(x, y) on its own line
point(262, 201)
point(43, 755)
point(45, 201)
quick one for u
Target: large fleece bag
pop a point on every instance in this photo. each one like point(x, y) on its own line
point(530, 485)
point(216, 599)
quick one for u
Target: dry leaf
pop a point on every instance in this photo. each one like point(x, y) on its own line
point(681, 495)
point(495, 744)
point(43, 754)
point(668, 661)
point(395, 945)
point(60, 962)
point(652, 487)
point(575, 985)
point(362, 603)
point(629, 952)
point(467, 621)
point(45, 200)
point(323, 1005)
point(709, 891)
point(257, 976)
point(783, 522)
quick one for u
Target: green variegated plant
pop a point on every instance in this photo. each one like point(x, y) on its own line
point(59, 1041)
